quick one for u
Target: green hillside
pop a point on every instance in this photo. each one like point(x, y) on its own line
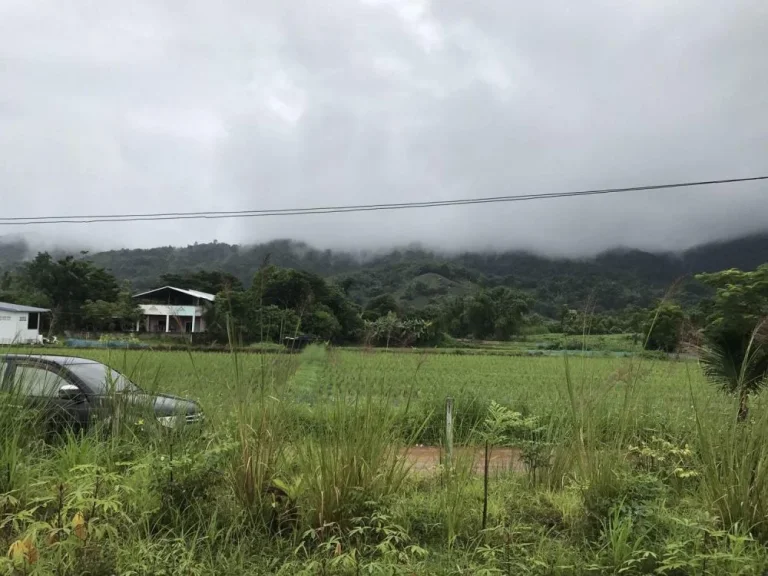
point(610, 281)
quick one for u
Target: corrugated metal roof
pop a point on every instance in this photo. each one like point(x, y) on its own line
point(193, 293)
point(8, 307)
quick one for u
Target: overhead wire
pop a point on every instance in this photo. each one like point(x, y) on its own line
point(319, 210)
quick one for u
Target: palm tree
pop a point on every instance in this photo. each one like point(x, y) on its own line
point(738, 364)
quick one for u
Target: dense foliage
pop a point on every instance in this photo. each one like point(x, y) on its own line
point(663, 327)
point(609, 282)
point(285, 302)
point(77, 291)
point(734, 352)
point(419, 294)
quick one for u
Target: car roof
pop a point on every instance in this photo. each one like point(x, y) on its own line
point(60, 360)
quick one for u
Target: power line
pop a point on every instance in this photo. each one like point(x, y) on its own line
point(215, 215)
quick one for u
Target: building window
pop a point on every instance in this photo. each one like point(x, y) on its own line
point(34, 322)
point(188, 327)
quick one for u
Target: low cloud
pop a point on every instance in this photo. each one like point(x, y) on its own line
point(160, 107)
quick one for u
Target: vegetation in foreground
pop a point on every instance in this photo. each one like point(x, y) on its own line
point(626, 466)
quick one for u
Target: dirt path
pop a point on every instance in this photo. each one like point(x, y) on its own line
point(427, 459)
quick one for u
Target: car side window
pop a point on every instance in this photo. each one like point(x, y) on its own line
point(37, 381)
point(3, 370)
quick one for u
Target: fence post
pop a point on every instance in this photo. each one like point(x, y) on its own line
point(449, 431)
point(485, 486)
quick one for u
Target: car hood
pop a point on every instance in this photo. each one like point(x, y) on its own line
point(167, 405)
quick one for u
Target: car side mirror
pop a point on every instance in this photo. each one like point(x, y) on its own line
point(71, 393)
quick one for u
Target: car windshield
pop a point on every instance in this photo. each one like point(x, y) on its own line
point(101, 379)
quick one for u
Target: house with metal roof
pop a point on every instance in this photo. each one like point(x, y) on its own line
point(20, 324)
point(172, 310)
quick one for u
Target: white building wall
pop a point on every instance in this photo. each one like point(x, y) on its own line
point(13, 329)
point(155, 313)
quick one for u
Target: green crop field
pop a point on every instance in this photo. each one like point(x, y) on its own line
point(621, 465)
point(659, 391)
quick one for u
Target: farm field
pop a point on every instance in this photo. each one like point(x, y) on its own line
point(621, 465)
point(536, 345)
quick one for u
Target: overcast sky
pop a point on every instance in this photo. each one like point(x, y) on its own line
point(113, 106)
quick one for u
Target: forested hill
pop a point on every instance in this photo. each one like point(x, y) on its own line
point(612, 280)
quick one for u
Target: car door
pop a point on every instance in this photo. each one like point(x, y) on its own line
point(6, 397)
point(40, 386)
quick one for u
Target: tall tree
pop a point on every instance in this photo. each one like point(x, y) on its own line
point(281, 302)
point(663, 326)
point(65, 285)
point(380, 306)
point(122, 314)
point(496, 313)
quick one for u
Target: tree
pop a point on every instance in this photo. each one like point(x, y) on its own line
point(99, 314)
point(119, 315)
point(288, 288)
point(496, 313)
point(480, 314)
point(6, 280)
point(321, 323)
point(346, 312)
point(65, 285)
point(282, 302)
point(734, 353)
point(239, 316)
point(510, 307)
point(452, 317)
point(663, 326)
point(126, 309)
point(380, 306)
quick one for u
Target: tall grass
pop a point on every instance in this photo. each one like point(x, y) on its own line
point(302, 467)
point(734, 467)
point(357, 458)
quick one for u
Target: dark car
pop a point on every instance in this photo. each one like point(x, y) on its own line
point(78, 392)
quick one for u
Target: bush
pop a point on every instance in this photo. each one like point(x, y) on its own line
point(663, 327)
point(613, 486)
point(188, 482)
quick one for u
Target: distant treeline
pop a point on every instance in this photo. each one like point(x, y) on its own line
point(400, 298)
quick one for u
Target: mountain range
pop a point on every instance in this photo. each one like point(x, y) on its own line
point(417, 277)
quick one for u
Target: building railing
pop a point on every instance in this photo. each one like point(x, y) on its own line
point(170, 310)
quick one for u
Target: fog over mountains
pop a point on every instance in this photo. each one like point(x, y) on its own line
point(610, 280)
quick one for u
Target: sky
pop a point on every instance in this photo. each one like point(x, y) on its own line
point(110, 107)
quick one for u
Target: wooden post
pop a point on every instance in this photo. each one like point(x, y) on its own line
point(449, 431)
point(485, 486)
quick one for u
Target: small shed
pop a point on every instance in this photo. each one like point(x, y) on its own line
point(20, 324)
